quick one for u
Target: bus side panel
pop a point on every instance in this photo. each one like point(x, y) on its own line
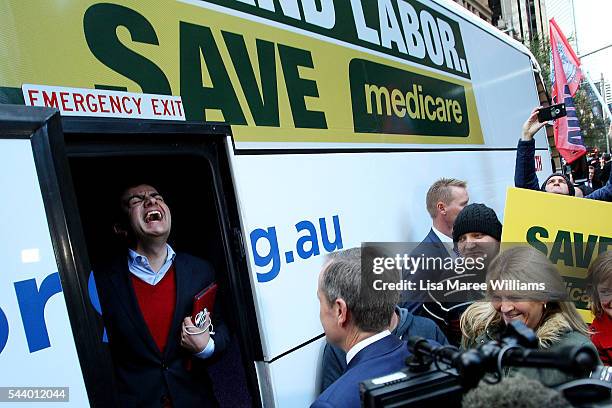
point(296, 377)
point(36, 344)
point(504, 87)
point(296, 208)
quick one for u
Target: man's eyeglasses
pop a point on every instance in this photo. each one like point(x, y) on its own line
point(138, 199)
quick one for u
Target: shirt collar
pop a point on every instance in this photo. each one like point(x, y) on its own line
point(446, 241)
point(365, 343)
point(134, 258)
point(441, 236)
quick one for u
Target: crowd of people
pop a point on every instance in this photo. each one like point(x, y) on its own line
point(356, 352)
point(160, 356)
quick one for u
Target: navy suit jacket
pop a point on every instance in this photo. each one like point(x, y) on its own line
point(382, 357)
point(430, 247)
point(144, 374)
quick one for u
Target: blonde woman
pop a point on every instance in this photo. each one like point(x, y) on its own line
point(542, 308)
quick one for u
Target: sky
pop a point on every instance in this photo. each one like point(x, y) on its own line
point(594, 30)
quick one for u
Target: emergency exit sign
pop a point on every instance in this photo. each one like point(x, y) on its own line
point(103, 103)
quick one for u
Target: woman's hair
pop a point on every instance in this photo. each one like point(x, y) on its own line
point(600, 271)
point(526, 265)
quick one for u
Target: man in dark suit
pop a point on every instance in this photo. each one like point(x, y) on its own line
point(593, 180)
point(445, 199)
point(356, 318)
point(146, 298)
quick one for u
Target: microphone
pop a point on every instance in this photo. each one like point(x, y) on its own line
point(576, 360)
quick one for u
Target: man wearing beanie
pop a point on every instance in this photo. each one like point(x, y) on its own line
point(477, 232)
point(557, 183)
point(477, 235)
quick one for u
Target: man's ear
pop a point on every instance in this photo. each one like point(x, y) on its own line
point(342, 312)
point(441, 207)
point(119, 230)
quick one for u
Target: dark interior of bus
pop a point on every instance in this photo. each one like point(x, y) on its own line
point(186, 173)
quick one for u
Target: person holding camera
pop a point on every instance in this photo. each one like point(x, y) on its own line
point(600, 279)
point(557, 183)
point(531, 291)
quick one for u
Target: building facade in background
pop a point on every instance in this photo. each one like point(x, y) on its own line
point(564, 14)
point(521, 19)
point(479, 7)
point(605, 89)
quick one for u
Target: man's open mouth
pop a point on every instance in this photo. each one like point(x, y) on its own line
point(152, 216)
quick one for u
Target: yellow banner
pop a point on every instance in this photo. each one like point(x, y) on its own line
point(571, 231)
point(272, 83)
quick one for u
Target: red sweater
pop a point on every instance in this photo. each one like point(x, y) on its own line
point(602, 339)
point(157, 303)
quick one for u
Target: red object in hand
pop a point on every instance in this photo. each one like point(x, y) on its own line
point(204, 300)
point(203, 304)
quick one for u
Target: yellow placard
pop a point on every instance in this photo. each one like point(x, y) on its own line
point(571, 231)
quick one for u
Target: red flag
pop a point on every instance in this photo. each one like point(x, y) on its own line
point(565, 75)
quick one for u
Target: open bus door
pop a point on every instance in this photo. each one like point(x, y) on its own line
point(58, 175)
point(46, 340)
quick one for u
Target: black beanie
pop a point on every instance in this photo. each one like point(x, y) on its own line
point(570, 186)
point(477, 218)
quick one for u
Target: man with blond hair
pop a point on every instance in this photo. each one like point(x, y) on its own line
point(445, 199)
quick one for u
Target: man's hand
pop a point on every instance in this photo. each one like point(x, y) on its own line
point(532, 125)
point(195, 343)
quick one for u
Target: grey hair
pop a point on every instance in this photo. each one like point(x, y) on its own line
point(343, 278)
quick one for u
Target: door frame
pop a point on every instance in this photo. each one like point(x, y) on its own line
point(42, 126)
point(151, 137)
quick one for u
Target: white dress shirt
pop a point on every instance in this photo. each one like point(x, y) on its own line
point(365, 343)
point(448, 242)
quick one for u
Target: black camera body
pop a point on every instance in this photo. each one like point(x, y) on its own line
point(552, 112)
point(415, 389)
point(439, 376)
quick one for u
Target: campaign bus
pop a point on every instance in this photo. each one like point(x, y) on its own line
point(279, 131)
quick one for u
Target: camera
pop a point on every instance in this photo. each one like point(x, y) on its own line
point(552, 112)
point(441, 375)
